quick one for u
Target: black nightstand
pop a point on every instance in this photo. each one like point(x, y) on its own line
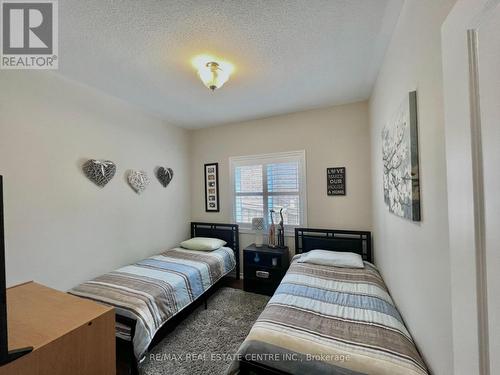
point(263, 268)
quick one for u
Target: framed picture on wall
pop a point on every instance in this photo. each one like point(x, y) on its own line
point(335, 181)
point(400, 160)
point(212, 187)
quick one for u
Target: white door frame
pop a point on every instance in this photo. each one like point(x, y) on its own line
point(465, 186)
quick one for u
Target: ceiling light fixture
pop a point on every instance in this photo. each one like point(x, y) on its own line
point(213, 72)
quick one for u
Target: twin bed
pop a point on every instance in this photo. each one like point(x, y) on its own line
point(322, 319)
point(325, 319)
point(151, 296)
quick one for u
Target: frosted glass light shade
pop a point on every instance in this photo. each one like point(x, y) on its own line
point(212, 70)
point(212, 75)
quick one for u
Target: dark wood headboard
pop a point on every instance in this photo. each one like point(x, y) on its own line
point(359, 242)
point(225, 232)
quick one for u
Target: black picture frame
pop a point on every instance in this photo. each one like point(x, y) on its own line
point(212, 187)
point(335, 181)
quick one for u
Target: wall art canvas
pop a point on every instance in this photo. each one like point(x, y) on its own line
point(400, 160)
point(212, 187)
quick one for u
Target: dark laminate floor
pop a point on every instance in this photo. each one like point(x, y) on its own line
point(236, 284)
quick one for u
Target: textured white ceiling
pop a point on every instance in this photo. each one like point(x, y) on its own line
point(289, 55)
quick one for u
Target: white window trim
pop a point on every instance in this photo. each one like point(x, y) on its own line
point(238, 161)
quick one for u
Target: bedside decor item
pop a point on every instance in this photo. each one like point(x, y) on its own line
point(281, 231)
point(100, 172)
point(263, 268)
point(212, 187)
point(258, 228)
point(164, 175)
point(335, 181)
point(212, 71)
point(271, 241)
point(138, 180)
point(400, 161)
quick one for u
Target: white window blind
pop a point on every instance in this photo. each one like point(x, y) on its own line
point(265, 182)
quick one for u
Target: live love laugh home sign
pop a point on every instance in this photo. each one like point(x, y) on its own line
point(335, 181)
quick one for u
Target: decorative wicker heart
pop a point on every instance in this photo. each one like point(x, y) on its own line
point(138, 180)
point(164, 175)
point(99, 172)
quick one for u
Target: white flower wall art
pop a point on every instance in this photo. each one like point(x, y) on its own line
point(400, 159)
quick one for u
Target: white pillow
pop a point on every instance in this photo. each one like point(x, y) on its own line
point(203, 244)
point(332, 258)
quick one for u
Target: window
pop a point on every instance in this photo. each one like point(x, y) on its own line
point(264, 182)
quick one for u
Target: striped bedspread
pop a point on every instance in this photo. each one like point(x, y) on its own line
point(155, 289)
point(330, 320)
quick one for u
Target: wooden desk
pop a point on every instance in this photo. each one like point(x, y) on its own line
point(70, 335)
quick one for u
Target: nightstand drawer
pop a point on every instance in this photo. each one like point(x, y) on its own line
point(259, 259)
point(261, 273)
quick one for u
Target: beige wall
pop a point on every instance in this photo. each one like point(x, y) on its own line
point(60, 228)
point(414, 257)
point(336, 136)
